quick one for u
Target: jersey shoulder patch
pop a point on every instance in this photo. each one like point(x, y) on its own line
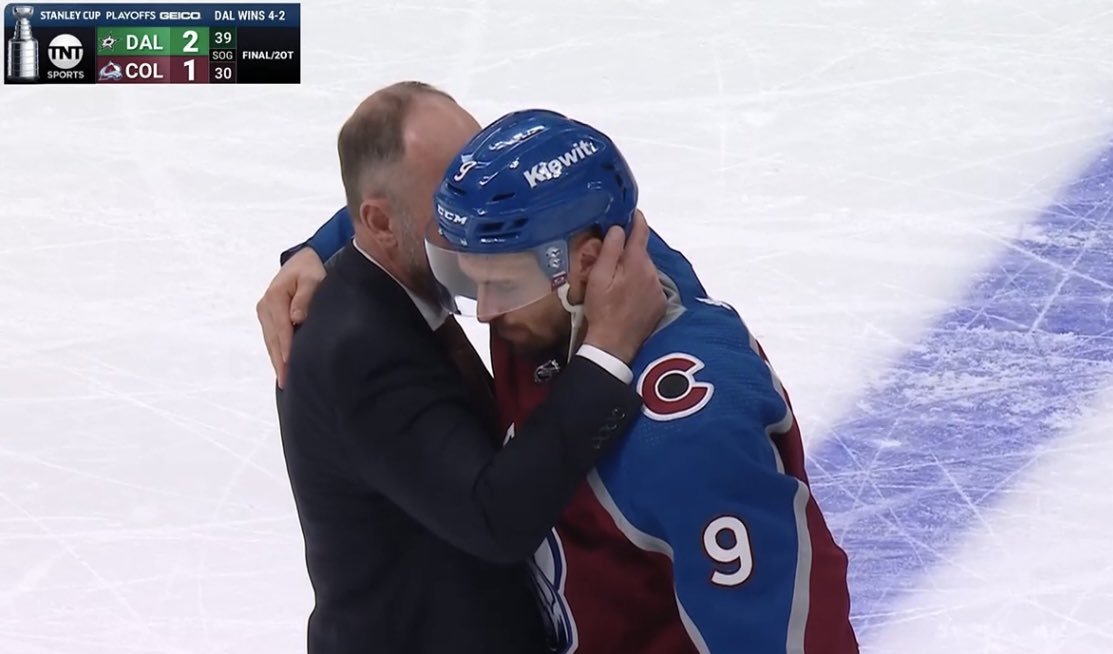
point(670, 389)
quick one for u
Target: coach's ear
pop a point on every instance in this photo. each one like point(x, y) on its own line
point(379, 220)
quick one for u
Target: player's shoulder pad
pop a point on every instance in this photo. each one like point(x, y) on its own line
point(705, 360)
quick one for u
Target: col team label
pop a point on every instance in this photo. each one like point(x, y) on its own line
point(152, 44)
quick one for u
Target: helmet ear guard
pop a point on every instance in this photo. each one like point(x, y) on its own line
point(553, 260)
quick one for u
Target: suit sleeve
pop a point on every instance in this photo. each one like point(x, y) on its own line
point(328, 239)
point(707, 490)
point(415, 439)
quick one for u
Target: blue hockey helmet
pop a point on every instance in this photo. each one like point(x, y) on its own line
point(511, 200)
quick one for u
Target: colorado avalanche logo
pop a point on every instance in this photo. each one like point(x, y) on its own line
point(669, 387)
point(549, 569)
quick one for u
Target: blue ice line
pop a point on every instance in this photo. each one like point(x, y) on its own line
point(945, 431)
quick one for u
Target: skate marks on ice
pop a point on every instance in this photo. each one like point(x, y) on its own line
point(940, 436)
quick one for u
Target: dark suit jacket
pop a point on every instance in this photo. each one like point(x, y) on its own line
point(415, 521)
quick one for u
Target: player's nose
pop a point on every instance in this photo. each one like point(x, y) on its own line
point(484, 308)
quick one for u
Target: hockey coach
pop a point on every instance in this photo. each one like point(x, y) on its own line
point(416, 519)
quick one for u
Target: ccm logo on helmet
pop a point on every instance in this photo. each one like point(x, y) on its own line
point(547, 170)
point(670, 390)
point(451, 216)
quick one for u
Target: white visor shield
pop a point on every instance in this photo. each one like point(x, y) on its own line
point(489, 285)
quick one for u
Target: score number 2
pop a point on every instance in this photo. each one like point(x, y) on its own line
point(191, 41)
point(737, 560)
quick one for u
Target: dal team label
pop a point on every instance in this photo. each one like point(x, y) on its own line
point(152, 44)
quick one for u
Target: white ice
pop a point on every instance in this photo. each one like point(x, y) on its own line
point(836, 170)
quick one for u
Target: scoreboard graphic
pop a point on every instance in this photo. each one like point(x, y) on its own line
point(47, 43)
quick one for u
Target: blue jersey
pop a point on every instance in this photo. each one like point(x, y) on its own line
point(329, 237)
point(699, 532)
point(713, 477)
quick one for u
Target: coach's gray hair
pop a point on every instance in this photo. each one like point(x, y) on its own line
point(371, 140)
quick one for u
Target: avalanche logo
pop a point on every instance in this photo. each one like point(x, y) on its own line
point(110, 72)
point(549, 569)
point(670, 390)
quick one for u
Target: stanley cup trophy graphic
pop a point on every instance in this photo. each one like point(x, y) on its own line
point(23, 49)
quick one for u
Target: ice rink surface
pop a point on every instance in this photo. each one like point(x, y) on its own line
point(909, 202)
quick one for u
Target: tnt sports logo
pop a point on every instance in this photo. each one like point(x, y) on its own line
point(65, 51)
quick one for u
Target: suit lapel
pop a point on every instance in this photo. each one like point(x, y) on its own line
point(371, 280)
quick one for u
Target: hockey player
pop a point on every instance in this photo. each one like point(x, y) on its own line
point(699, 532)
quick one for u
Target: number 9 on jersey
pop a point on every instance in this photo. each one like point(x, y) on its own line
point(727, 542)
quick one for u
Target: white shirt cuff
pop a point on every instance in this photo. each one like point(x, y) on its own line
point(607, 362)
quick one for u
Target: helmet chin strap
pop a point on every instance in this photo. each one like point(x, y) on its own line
point(577, 314)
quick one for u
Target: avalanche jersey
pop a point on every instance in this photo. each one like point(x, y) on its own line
point(697, 532)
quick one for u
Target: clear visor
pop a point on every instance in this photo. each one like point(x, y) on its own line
point(489, 285)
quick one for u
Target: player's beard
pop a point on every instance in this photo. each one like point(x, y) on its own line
point(547, 342)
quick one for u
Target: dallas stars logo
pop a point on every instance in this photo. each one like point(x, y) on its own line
point(107, 42)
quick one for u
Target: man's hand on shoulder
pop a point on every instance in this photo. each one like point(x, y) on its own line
point(286, 304)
